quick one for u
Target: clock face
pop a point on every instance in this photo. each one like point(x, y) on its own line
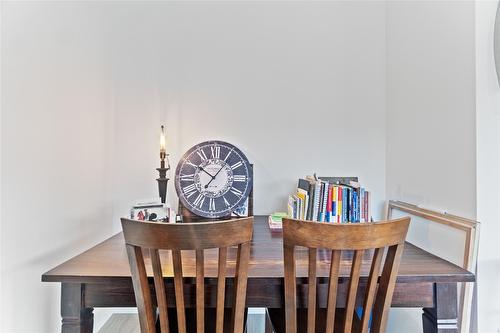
point(213, 178)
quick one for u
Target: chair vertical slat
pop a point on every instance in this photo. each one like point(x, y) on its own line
point(332, 290)
point(200, 292)
point(311, 297)
point(221, 289)
point(290, 289)
point(178, 237)
point(386, 287)
point(356, 237)
point(179, 290)
point(161, 296)
point(240, 280)
point(371, 288)
point(141, 289)
point(353, 289)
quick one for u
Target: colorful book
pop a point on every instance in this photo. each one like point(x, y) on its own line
point(340, 200)
point(325, 201)
point(308, 186)
point(329, 205)
point(317, 193)
point(330, 199)
point(334, 203)
point(304, 201)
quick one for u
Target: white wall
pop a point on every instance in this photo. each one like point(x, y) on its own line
point(55, 151)
point(431, 146)
point(431, 104)
point(85, 86)
point(1, 182)
point(488, 166)
point(300, 87)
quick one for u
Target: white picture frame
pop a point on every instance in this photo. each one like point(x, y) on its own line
point(470, 228)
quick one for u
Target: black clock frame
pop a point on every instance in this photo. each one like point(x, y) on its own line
point(185, 209)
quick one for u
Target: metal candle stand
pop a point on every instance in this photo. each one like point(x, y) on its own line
point(163, 180)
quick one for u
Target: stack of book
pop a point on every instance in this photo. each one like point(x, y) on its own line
point(330, 199)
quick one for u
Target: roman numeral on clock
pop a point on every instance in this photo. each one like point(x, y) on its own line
point(239, 178)
point(199, 200)
point(187, 177)
point(236, 192)
point(189, 190)
point(227, 156)
point(211, 204)
point(236, 165)
point(202, 154)
point(215, 152)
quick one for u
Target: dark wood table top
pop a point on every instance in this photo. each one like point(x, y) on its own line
point(107, 262)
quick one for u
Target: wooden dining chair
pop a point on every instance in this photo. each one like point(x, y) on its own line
point(358, 238)
point(142, 237)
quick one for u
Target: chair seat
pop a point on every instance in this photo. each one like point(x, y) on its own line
point(122, 323)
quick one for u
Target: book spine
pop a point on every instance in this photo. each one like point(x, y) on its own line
point(354, 206)
point(311, 202)
point(330, 200)
point(365, 206)
point(325, 201)
point(358, 208)
point(320, 207)
point(295, 207)
point(299, 207)
point(368, 206)
point(334, 204)
point(362, 204)
point(329, 205)
point(306, 206)
point(345, 204)
point(339, 204)
point(349, 205)
point(317, 190)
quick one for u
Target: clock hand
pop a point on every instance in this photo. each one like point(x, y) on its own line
point(206, 186)
point(199, 167)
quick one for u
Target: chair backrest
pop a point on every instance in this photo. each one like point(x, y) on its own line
point(152, 236)
point(359, 237)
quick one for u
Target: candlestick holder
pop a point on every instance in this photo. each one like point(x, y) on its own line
point(163, 180)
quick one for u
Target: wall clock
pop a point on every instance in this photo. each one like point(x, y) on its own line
point(213, 178)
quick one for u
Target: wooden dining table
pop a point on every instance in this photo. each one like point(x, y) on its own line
point(100, 277)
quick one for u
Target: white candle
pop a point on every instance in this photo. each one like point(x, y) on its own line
point(162, 141)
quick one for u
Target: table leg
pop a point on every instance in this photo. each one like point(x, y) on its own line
point(76, 318)
point(443, 317)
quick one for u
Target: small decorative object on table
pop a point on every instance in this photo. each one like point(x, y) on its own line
point(163, 180)
point(152, 210)
point(276, 221)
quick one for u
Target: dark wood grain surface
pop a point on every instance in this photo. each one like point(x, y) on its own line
point(108, 261)
point(100, 277)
